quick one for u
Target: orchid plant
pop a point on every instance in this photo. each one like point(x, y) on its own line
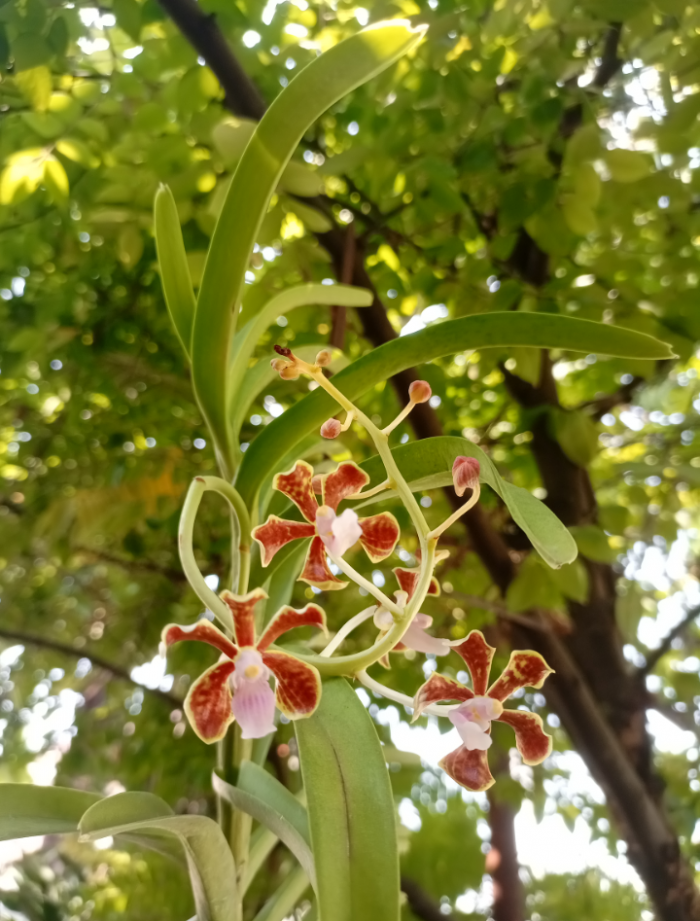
point(344, 837)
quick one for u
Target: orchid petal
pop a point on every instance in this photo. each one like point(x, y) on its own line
point(276, 532)
point(316, 571)
point(408, 580)
point(416, 638)
point(380, 534)
point(288, 618)
point(298, 684)
point(243, 610)
point(533, 743)
point(208, 702)
point(254, 708)
point(347, 480)
point(296, 485)
point(469, 769)
point(525, 669)
point(436, 688)
point(203, 631)
point(478, 656)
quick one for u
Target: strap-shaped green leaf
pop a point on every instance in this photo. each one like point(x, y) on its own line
point(209, 861)
point(486, 330)
point(258, 794)
point(174, 268)
point(246, 339)
point(27, 810)
point(427, 464)
point(351, 810)
point(280, 905)
point(311, 92)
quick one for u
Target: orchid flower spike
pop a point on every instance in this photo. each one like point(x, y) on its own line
point(418, 392)
point(465, 475)
point(468, 764)
point(330, 532)
point(238, 686)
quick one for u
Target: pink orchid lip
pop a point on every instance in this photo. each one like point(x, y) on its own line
point(338, 532)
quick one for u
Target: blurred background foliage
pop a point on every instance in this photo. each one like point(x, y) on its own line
point(571, 125)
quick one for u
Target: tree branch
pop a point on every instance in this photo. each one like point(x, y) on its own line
point(117, 671)
point(655, 655)
point(421, 904)
point(201, 30)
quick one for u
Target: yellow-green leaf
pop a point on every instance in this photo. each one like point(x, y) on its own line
point(628, 165)
point(55, 178)
point(298, 179)
point(35, 86)
point(129, 246)
point(22, 175)
point(77, 151)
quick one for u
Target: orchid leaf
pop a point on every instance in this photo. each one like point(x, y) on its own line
point(351, 809)
point(427, 464)
point(246, 339)
point(280, 905)
point(320, 84)
point(27, 810)
point(489, 330)
point(174, 268)
point(210, 864)
point(259, 795)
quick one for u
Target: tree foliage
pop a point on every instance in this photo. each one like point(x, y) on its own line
point(539, 158)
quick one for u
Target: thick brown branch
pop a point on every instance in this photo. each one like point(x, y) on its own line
point(117, 671)
point(201, 30)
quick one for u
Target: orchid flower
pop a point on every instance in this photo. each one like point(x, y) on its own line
point(468, 764)
point(415, 637)
point(238, 686)
point(330, 532)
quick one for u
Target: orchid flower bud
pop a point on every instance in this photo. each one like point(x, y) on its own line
point(465, 474)
point(290, 373)
point(331, 428)
point(420, 392)
point(278, 364)
point(324, 358)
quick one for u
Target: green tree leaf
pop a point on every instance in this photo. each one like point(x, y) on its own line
point(576, 433)
point(351, 809)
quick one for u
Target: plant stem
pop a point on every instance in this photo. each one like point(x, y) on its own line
point(368, 586)
point(347, 629)
point(242, 822)
point(399, 698)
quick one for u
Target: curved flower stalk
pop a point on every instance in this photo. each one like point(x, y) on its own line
point(330, 532)
point(238, 686)
point(415, 637)
point(468, 764)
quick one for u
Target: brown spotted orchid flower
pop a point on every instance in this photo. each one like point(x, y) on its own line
point(415, 637)
point(468, 764)
point(331, 533)
point(238, 686)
